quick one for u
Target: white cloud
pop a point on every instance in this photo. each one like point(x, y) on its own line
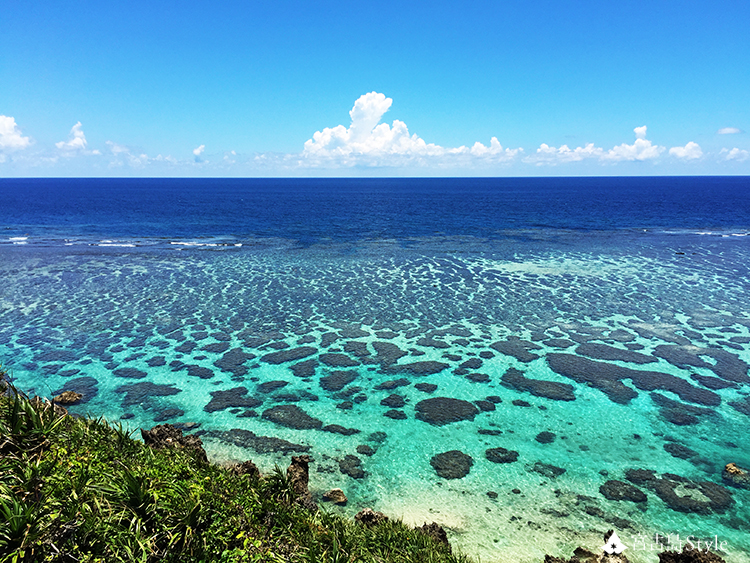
point(198, 151)
point(10, 135)
point(368, 142)
point(546, 154)
point(740, 155)
point(641, 149)
point(728, 131)
point(76, 140)
point(691, 151)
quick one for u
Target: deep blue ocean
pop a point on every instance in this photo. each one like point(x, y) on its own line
point(528, 362)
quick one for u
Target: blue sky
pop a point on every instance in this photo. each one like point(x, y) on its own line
point(298, 88)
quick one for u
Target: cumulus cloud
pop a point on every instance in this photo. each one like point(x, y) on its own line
point(198, 151)
point(546, 154)
point(76, 140)
point(10, 135)
point(728, 131)
point(739, 155)
point(691, 151)
point(370, 143)
point(641, 149)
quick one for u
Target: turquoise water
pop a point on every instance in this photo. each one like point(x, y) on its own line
point(106, 318)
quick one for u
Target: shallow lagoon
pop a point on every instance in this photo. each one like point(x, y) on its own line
point(156, 330)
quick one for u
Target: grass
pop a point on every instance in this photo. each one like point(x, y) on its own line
point(82, 490)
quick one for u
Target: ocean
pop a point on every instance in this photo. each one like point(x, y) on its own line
point(528, 362)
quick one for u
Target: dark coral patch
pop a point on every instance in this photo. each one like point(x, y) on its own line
point(292, 354)
point(233, 361)
point(200, 371)
point(432, 343)
point(517, 348)
point(261, 444)
point(392, 384)
point(156, 361)
point(271, 386)
point(620, 490)
point(137, 393)
point(130, 373)
point(728, 366)
point(549, 471)
point(478, 377)
point(355, 348)
point(338, 429)
point(610, 353)
point(428, 367)
point(607, 378)
point(292, 416)
point(86, 386)
point(545, 437)
point(216, 347)
point(679, 451)
point(338, 360)
point(304, 369)
point(471, 363)
point(452, 465)
point(501, 455)
point(338, 380)
point(351, 465)
point(485, 406)
point(515, 379)
point(230, 398)
point(393, 401)
point(395, 414)
point(186, 347)
point(426, 387)
point(387, 353)
point(444, 410)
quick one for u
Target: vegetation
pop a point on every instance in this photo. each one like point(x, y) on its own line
point(82, 490)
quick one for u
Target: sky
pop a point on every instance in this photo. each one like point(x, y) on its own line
point(330, 88)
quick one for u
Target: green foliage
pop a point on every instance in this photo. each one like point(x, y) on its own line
point(81, 489)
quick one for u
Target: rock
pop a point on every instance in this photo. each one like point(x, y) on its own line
point(492, 494)
point(395, 414)
point(610, 353)
point(452, 465)
point(736, 476)
point(216, 347)
point(517, 348)
point(231, 398)
point(289, 355)
point(246, 468)
point(304, 369)
point(233, 360)
point(338, 380)
point(271, 386)
point(444, 410)
point(485, 406)
point(167, 436)
point(545, 437)
point(393, 401)
point(520, 403)
point(338, 429)
point(679, 451)
point(549, 471)
point(689, 556)
point(298, 473)
point(130, 373)
point(427, 367)
point(364, 449)
point(478, 377)
point(261, 444)
point(426, 387)
point(471, 363)
point(393, 384)
point(620, 490)
point(436, 532)
point(501, 455)
point(351, 465)
point(199, 371)
point(68, 398)
point(369, 517)
point(387, 353)
point(292, 416)
point(514, 379)
point(336, 496)
point(338, 360)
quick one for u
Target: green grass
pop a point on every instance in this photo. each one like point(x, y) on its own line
point(81, 490)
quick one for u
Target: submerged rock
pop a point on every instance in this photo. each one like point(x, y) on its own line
point(338, 380)
point(452, 465)
point(231, 398)
point(289, 355)
point(620, 490)
point(351, 465)
point(336, 496)
point(369, 517)
point(292, 416)
point(501, 455)
point(444, 410)
point(515, 379)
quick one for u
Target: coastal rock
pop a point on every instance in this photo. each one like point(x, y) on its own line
point(246, 468)
point(68, 398)
point(167, 436)
point(336, 496)
point(436, 532)
point(452, 465)
point(689, 556)
point(369, 517)
point(736, 476)
point(444, 410)
point(298, 473)
point(292, 416)
point(620, 490)
point(501, 455)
